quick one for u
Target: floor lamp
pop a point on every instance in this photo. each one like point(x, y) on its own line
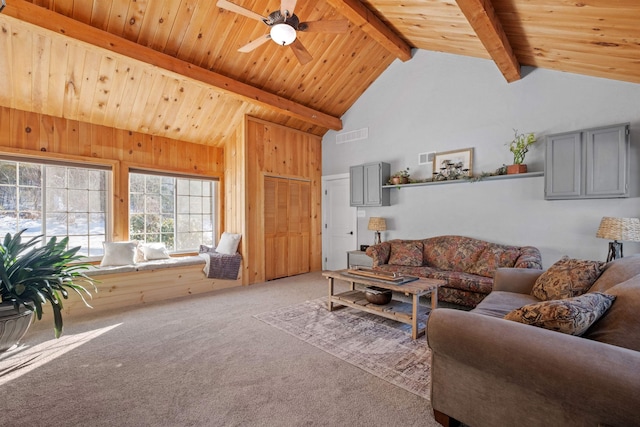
point(624, 229)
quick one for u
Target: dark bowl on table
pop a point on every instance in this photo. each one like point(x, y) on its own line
point(377, 295)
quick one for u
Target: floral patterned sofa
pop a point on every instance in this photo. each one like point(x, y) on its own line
point(467, 264)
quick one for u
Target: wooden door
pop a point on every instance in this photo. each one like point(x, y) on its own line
point(287, 227)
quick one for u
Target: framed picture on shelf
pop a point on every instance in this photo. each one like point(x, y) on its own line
point(454, 164)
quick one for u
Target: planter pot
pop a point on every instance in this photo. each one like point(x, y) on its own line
point(397, 180)
point(13, 324)
point(511, 169)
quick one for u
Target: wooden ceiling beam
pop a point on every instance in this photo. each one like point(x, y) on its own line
point(484, 21)
point(360, 15)
point(36, 15)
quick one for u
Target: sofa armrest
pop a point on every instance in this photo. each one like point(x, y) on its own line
point(380, 253)
point(530, 257)
point(527, 373)
point(519, 280)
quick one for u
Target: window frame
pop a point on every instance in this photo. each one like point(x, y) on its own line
point(178, 175)
point(54, 159)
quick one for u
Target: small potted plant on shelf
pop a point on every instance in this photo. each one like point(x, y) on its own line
point(400, 177)
point(31, 276)
point(520, 147)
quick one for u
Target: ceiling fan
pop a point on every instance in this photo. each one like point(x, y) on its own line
point(284, 24)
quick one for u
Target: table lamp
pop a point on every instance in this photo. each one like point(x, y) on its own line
point(377, 224)
point(618, 229)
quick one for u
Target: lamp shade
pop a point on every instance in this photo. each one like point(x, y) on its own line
point(623, 229)
point(377, 224)
point(283, 34)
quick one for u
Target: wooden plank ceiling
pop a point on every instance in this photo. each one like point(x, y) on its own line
point(171, 67)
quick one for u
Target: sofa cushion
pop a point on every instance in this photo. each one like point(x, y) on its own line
point(617, 271)
point(464, 281)
point(406, 253)
point(493, 257)
point(499, 303)
point(620, 326)
point(570, 315)
point(567, 278)
point(452, 253)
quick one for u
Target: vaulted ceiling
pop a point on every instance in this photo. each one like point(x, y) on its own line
point(172, 67)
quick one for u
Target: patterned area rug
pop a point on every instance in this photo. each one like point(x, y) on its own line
point(380, 346)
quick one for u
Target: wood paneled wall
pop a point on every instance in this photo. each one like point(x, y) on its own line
point(266, 149)
point(32, 134)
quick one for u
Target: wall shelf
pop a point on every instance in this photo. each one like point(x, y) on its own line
point(461, 181)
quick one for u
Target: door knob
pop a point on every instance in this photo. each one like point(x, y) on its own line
point(351, 232)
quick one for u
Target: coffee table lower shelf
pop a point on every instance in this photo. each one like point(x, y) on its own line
point(395, 310)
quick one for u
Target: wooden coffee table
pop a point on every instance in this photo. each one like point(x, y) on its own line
point(356, 298)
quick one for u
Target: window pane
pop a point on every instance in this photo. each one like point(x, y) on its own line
point(56, 177)
point(8, 198)
point(97, 201)
point(97, 224)
point(57, 200)
point(57, 224)
point(8, 223)
point(153, 184)
point(136, 183)
point(78, 201)
point(30, 175)
point(183, 204)
point(95, 244)
point(78, 223)
point(136, 203)
point(8, 172)
point(30, 199)
point(78, 178)
point(195, 188)
point(152, 203)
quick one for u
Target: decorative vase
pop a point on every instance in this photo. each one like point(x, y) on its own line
point(13, 324)
point(511, 169)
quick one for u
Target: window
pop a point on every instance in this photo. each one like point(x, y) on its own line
point(179, 212)
point(55, 200)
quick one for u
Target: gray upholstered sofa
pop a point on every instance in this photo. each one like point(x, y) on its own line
point(488, 371)
point(465, 263)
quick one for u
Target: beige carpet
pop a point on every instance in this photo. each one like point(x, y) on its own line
point(203, 360)
point(380, 346)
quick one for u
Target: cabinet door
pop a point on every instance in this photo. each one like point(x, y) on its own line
point(372, 185)
point(606, 168)
point(563, 166)
point(356, 179)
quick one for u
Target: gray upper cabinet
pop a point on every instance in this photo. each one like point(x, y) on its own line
point(366, 184)
point(588, 164)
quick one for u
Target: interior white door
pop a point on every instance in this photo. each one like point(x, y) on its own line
point(340, 224)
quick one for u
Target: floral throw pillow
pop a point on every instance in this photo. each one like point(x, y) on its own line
point(567, 278)
point(406, 253)
point(570, 316)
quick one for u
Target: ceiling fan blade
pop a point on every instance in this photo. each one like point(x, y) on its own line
point(287, 7)
point(339, 26)
point(254, 44)
point(300, 52)
point(224, 4)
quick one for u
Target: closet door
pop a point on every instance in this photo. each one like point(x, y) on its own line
point(287, 227)
point(275, 227)
point(299, 227)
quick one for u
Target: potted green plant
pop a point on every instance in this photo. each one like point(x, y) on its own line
point(32, 276)
point(520, 147)
point(400, 177)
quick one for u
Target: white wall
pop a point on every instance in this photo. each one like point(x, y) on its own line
point(440, 102)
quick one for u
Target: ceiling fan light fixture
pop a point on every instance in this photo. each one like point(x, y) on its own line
point(283, 34)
